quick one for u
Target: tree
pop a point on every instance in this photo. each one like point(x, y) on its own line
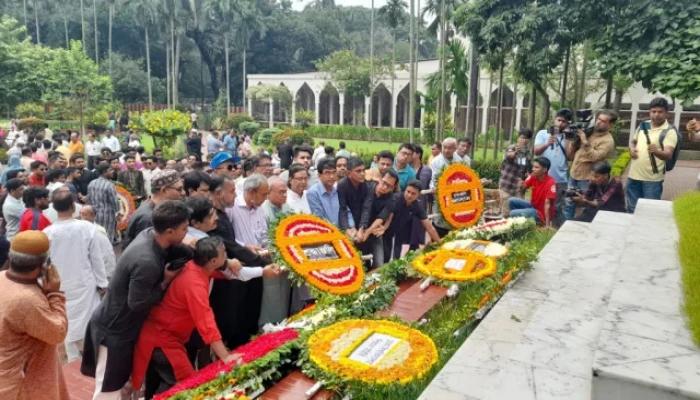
point(248, 21)
point(131, 83)
point(35, 6)
point(225, 10)
point(656, 44)
point(394, 14)
point(456, 76)
point(112, 4)
point(75, 81)
point(145, 13)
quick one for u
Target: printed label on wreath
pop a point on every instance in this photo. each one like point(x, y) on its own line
point(455, 265)
point(374, 348)
point(460, 196)
point(373, 351)
point(489, 249)
point(320, 253)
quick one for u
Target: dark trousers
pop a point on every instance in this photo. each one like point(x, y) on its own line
point(442, 232)
point(159, 375)
point(236, 305)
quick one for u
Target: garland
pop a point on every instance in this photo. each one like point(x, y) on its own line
point(455, 265)
point(459, 196)
point(208, 382)
point(127, 206)
point(506, 229)
point(411, 353)
point(338, 269)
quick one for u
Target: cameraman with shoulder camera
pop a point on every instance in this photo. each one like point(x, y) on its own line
point(586, 148)
point(603, 193)
point(551, 145)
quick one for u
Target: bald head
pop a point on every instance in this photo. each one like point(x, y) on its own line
point(87, 213)
point(278, 191)
point(449, 145)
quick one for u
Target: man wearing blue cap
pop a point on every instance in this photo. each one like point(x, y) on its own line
point(223, 164)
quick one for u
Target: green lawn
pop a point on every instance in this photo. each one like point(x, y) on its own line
point(687, 211)
point(363, 146)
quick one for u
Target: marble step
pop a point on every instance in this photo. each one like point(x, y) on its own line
point(476, 365)
point(645, 350)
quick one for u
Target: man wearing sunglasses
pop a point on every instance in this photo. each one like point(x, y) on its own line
point(165, 185)
point(222, 164)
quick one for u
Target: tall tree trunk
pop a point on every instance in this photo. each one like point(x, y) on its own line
point(392, 106)
point(565, 78)
point(544, 116)
point(582, 88)
point(573, 103)
point(473, 98)
point(65, 28)
point(371, 68)
point(411, 83)
point(618, 100)
point(26, 24)
point(228, 72)
point(499, 110)
point(415, 70)
point(97, 50)
point(200, 41)
point(167, 71)
point(109, 51)
point(608, 92)
point(173, 95)
point(36, 22)
point(243, 99)
point(487, 110)
point(176, 65)
point(82, 26)
point(532, 108)
point(148, 69)
point(513, 108)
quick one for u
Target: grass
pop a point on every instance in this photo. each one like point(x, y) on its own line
point(687, 211)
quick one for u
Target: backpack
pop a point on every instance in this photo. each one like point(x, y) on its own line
point(670, 164)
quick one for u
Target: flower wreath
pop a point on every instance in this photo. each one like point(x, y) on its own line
point(460, 196)
point(127, 206)
point(401, 353)
point(455, 265)
point(320, 253)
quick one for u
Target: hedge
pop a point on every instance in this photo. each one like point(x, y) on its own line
point(619, 166)
point(350, 132)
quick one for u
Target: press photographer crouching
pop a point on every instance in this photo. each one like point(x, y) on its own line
point(603, 193)
point(586, 146)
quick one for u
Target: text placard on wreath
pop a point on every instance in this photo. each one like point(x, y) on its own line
point(460, 196)
point(320, 253)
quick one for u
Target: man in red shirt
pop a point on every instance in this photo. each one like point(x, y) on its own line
point(36, 199)
point(160, 356)
point(38, 176)
point(544, 195)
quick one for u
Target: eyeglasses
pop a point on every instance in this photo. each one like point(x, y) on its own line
point(229, 167)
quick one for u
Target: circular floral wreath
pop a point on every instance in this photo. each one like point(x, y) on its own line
point(455, 265)
point(485, 247)
point(460, 196)
point(127, 206)
point(409, 357)
point(337, 270)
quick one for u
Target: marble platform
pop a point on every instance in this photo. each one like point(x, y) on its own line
point(645, 350)
point(539, 341)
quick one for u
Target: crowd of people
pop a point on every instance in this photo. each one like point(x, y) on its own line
point(194, 276)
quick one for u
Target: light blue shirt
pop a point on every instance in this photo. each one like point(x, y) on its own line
point(326, 205)
point(405, 175)
point(559, 171)
point(230, 143)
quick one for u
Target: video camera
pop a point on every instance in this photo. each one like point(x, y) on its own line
point(573, 192)
point(584, 118)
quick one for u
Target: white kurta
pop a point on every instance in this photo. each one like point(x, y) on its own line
point(77, 255)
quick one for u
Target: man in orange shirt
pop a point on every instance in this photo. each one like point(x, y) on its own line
point(76, 145)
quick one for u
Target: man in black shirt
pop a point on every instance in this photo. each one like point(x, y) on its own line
point(82, 181)
point(286, 152)
point(380, 213)
point(194, 144)
point(407, 210)
point(353, 193)
point(139, 283)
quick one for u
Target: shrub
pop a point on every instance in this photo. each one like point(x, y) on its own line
point(3, 156)
point(26, 110)
point(305, 118)
point(31, 124)
point(619, 166)
point(234, 120)
point(164, 125)
point(264, 137)
point(249, 127)
point(298, 137)
point(97, 120)
point(349, 132)
point(490, 169)
point(429, 120)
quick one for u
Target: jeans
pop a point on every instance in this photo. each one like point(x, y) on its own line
point(642, 190)
point(569, 205)
point(522, 208)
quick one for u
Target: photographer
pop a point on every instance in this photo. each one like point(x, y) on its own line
point(585, 150)
point(551, 145)
point(603, 193)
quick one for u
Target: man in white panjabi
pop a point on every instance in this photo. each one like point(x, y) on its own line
point(78, 257)
point(87, 213)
